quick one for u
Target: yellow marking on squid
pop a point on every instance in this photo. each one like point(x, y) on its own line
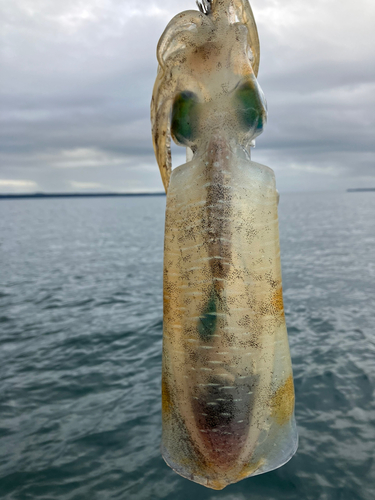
point(282, 402)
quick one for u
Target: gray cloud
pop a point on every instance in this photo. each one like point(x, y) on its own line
point(77, 80)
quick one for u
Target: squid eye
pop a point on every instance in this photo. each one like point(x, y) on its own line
point(250, 106)
point(184, 117)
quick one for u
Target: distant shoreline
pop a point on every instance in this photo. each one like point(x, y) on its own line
point(32, 196)
point(74, 195)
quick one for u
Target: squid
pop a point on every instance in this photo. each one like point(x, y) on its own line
point(227, 382)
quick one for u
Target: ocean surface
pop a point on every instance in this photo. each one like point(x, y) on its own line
point(80, 351)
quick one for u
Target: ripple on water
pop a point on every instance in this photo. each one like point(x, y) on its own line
point(80, 357)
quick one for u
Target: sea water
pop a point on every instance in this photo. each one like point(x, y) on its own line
point(80, 350)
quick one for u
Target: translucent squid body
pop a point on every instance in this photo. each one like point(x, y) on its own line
point(227, 384)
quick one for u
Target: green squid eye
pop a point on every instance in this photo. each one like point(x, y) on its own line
point(250, 106)
point(184, 117)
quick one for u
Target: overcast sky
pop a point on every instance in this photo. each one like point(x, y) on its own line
point(77, 76)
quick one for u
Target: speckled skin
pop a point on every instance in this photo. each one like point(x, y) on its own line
point(227, 385)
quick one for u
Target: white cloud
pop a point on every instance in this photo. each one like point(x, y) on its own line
point(324, 170)
point(17, 185)
point(88, 185)
point(85, 157)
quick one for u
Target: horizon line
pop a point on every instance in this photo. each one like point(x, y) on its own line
point(79, 195)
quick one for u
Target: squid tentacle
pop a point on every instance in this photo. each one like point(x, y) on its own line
point(184, 21)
